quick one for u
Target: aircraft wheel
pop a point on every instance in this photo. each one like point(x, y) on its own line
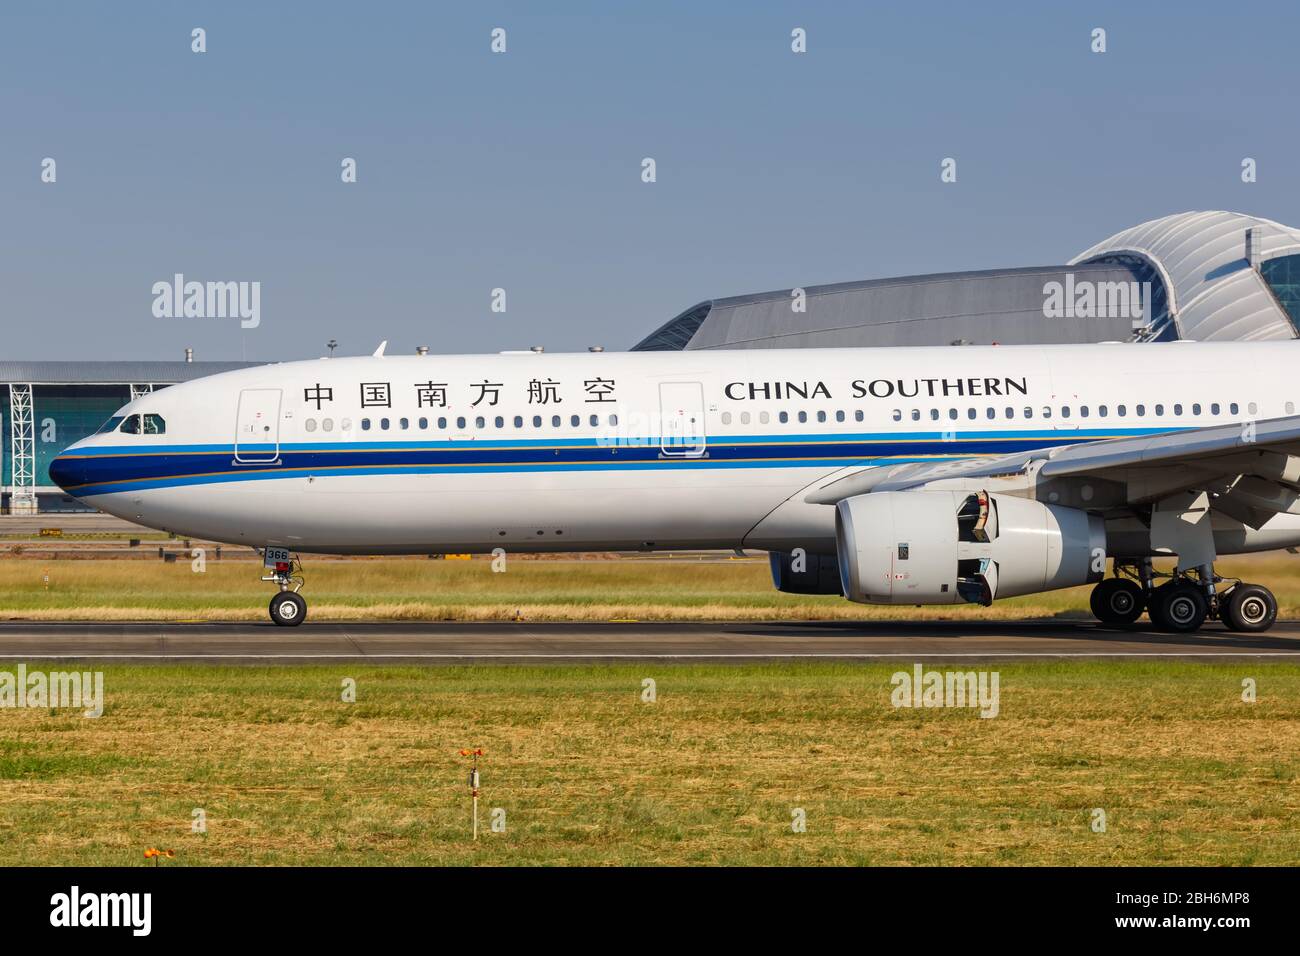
point(288, 609)
point(1118, 601)
point(1248, 607)
point(1179, 607)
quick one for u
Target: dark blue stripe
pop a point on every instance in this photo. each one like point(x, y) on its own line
point(107, 469)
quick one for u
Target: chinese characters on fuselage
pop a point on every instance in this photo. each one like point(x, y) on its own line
point(432, 394)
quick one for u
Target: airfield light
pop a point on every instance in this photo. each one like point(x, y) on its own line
point(473, 782)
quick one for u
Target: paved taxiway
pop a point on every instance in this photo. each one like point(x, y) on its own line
point(421, 642)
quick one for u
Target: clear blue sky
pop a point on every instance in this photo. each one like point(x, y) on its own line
point(522, 170)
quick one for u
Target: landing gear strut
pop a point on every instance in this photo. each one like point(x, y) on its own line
point(1183, 602)
point(287, 608)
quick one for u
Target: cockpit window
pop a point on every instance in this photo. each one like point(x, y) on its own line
point(154, 425)
point(131, 425)
point(111, 424)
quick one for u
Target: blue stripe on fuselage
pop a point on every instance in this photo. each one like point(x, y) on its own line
point(117, 468)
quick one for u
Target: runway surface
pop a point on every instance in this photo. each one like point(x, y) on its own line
point(432, 643)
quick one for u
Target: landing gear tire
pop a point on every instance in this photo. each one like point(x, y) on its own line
point(1179, 607)
point(1248, 607)
point(288, 609)
point(1118, 601)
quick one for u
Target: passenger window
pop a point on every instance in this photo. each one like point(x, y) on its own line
point(309, 424)
point(131, 426)
point(1178, 409)
point(1141, 411)
point(1047, 411)
point(365, 424)
point(424, 424)
point(1233, 408)
point(154, 425)
point(952, 414)
point(764, 418)
point(1290, 407)
point(403, 423)
point(990, 412)
point(480, 422)
point(519, 421)
point(803, 417)
point(971, 413)
point(1160, 409)
point(934, 414)
point(1214, 408)
point(460, 422)
point(500, 422)
point(857, 415)
point(383, 423)
point(537, 421)
point(1029, 412)
point(613, 419)
point(1102, 411)
point(782, 417)
point(1010, 412)
point(1121, 411)
point(595, 419)
point(1252, 408)
point(1196, 408)
point(821, 416)
point(744, 418)
point(555, 421)
point(575, 421)
point(442, 424)
point(1083, 411)
point(345, 424)
point(898, 415)
point(327, 424)
point(916, 414)
point(1065, 411)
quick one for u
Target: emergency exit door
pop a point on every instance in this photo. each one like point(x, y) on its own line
point(257, 425)
point(681, 411)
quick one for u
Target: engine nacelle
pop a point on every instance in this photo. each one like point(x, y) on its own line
point(946, 547)
point(805, 573)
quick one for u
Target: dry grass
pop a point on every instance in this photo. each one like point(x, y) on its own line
point(588, 774)
point(680, 589)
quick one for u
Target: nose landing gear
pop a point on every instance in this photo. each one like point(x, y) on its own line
point(287, 607)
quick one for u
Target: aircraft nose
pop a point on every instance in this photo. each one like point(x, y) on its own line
point(67, 471)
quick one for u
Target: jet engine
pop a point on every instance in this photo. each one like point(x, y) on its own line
point(948, 547)
point(802, 573)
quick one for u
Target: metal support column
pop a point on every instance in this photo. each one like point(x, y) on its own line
point(22, 450)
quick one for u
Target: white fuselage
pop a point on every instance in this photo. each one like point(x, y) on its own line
point(646, 450)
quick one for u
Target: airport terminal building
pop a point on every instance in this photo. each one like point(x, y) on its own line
point(1202, 276)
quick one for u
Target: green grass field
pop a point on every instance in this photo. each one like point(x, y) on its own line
point(587, 773)
point(419, 589)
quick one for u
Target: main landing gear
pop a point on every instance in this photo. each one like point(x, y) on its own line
point(1182, 603)
point(287, 608)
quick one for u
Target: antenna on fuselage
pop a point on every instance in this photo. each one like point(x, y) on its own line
point(380, 351)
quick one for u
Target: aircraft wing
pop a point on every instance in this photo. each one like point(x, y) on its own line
point(1253, 469)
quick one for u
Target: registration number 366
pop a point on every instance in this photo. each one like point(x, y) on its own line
point(276, 556)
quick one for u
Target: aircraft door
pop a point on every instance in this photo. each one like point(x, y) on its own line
point(257, 425)
point(681, 412)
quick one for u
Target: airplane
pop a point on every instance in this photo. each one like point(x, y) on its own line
point(935, 475)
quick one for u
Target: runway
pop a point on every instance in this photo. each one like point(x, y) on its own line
point(450, 643)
